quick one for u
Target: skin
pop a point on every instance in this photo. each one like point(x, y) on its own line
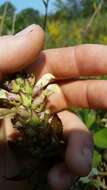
point(24, 50)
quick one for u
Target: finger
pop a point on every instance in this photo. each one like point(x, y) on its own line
point(16, 52)
point(78, 156)
point(60, 177)
point(73, 61)
point(84, 94)
point(9, 165)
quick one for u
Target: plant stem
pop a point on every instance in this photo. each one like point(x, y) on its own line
point(13, 23)
point(46, 14)
point(3, 18)
point(86, 30)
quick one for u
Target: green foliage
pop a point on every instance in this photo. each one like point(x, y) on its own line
point(96, 159)
point(7, 11)
point(11, 9)
point(23, 18)
point(100, 138)
point(67, 26)
point(70, 8)
point(88, 117)
point(26, 17)
point(89, 7)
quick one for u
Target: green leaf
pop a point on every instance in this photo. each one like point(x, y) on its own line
point(4, 112)
point(35, 121)
point(85, 180)
point(3, 94)
point(90, 118)
point(88, 179)
point(93, 172)
point(100, 138)
point(97, 183)
point(28, 88)
point(26, 100)
point(15, 87)
point(96, 159)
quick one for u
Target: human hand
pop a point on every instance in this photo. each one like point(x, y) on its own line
point(16, 52)
point(23, 50)
point(68, 63)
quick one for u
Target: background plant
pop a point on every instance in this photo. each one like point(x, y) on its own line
point(72, 22)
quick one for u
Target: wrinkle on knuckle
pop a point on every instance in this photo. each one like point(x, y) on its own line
point(77, 59)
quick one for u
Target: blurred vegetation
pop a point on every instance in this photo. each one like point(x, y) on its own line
point(72, 22)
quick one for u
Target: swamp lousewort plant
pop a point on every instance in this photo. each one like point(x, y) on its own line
point(41, 134)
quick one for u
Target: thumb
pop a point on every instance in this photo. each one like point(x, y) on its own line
point(20, 50)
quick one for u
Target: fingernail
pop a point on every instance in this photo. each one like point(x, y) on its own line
point(26, 30)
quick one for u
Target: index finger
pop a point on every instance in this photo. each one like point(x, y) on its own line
point(20, 50)
point(68, 62)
